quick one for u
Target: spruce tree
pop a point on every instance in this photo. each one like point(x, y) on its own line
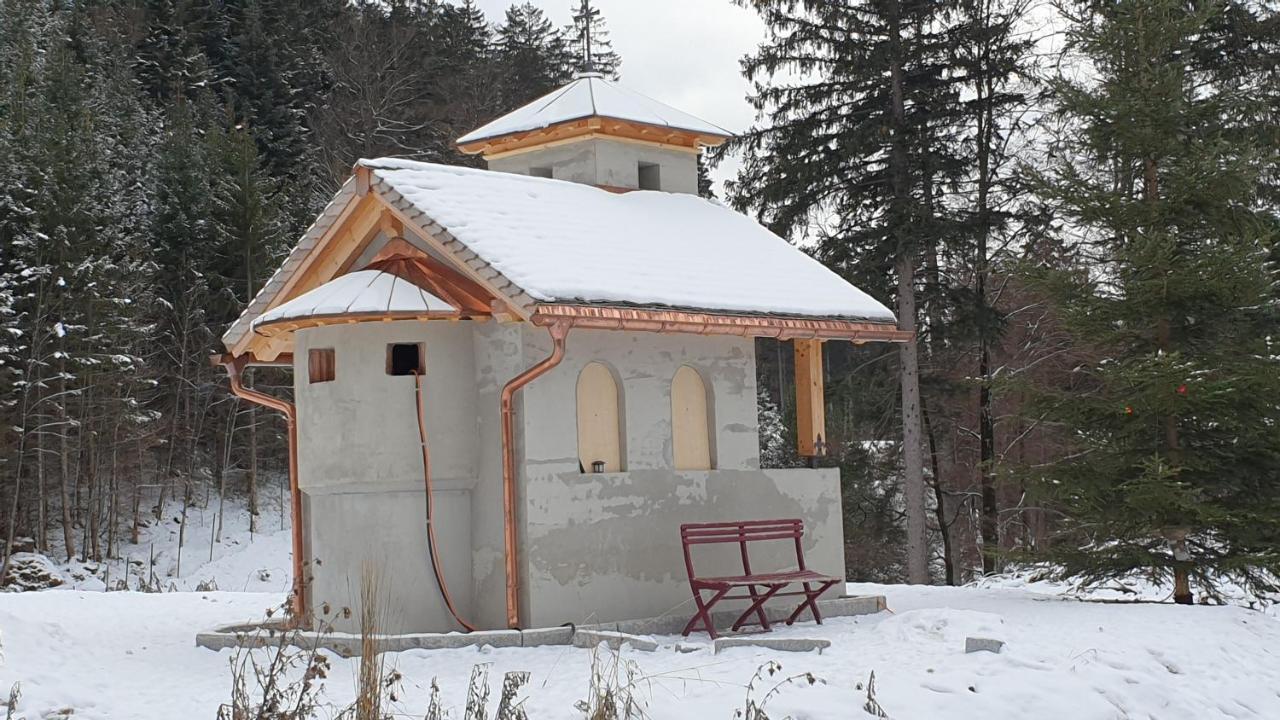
point(592, 49)
point(249, 229)
point(532, 54)
point(994, 54)
point(1176, 451)
point(25, 26)
point(857, 136)
point(469, 76)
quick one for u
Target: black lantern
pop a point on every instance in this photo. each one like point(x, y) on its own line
point(597, 466)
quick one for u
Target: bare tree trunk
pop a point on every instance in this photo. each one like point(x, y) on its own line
point(182, 525)
point(64, 457)
point(134, 535)
point(223, 459)
point(912, 445)
point(113, 504)
point(12, 530)
point(1182, 560)
point(42, 499)
point(253, 469)
point(939, 501)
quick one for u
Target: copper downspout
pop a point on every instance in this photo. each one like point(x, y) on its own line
point(558, 330)
point(234, 367)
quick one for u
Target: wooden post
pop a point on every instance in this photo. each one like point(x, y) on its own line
point(811, 409)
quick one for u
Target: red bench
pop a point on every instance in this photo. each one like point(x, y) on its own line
point(760, 588)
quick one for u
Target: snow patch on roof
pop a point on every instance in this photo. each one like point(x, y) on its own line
point(566, 242)
point(363, 291)
point(592, 96)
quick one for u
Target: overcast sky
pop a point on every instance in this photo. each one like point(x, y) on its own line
point(682, 52)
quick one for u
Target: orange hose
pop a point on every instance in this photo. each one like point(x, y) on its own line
point(431, 526)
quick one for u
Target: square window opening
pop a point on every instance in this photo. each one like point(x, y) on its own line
point(650, 176)
point(543, 172)
point(406, 359)
point(320, 365)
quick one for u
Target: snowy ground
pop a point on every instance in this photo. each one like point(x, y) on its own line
point(222, 558)
point(82, 653)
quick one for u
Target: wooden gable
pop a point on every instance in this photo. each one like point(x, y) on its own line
point(366, 216)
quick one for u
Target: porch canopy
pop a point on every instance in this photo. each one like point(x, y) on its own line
point(392, 290)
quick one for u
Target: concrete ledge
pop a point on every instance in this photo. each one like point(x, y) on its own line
point(589, 639)
point(615, 634)
point(783, 644)
point(674, 624)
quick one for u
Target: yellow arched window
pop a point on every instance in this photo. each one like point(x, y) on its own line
point(690, 421)
point(599, 427)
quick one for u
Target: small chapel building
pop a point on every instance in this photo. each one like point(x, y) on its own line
point(512, 385)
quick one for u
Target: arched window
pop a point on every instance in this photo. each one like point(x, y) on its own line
point(690, 421)
point(599, 429)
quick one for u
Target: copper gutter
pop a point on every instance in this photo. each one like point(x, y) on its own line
point(601, 317)
point(234, 367)
point(558, 330)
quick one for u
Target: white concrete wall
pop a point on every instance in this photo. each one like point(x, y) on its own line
point(607, 547)
point(598, 161)
point(601, 547)
point(644, 363)
point(500, 356)
point(360, 468)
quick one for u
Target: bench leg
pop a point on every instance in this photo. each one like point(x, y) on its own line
point(811, 601)
point(704, 612)
point(757, 606)
point(760, 616)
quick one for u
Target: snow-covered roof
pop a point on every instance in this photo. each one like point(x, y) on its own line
point(591, 95)
point(565, 242)
point(360, 292)
point(538, 241)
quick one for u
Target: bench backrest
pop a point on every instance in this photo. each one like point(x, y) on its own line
point(740, 533)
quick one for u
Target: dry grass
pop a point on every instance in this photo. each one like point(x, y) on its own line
point(15, 694)
point(753, 708)
point(611, 694)
point(872, 705)
point(375, 684)
point(262, 681)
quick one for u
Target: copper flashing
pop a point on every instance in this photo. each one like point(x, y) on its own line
point(559, 331)
point(438, 279)
point(288, 325)
point(604, 317)
point(588, 127)
point(471, 299)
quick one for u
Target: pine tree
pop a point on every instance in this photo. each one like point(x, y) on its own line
point(993, 54)
point(777, 449)
point(169, 60)
point(532, 54)
point(469, 75)
point(854, 155)
point(250, 231)
point(591, 45)
point(25, 26)
point(1157, 184)
point(184, 247)
point(706, 186)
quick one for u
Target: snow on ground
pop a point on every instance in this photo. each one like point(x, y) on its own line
point(130, 655)
point(226, 558)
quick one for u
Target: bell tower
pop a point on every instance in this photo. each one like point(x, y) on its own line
point(594, 131)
